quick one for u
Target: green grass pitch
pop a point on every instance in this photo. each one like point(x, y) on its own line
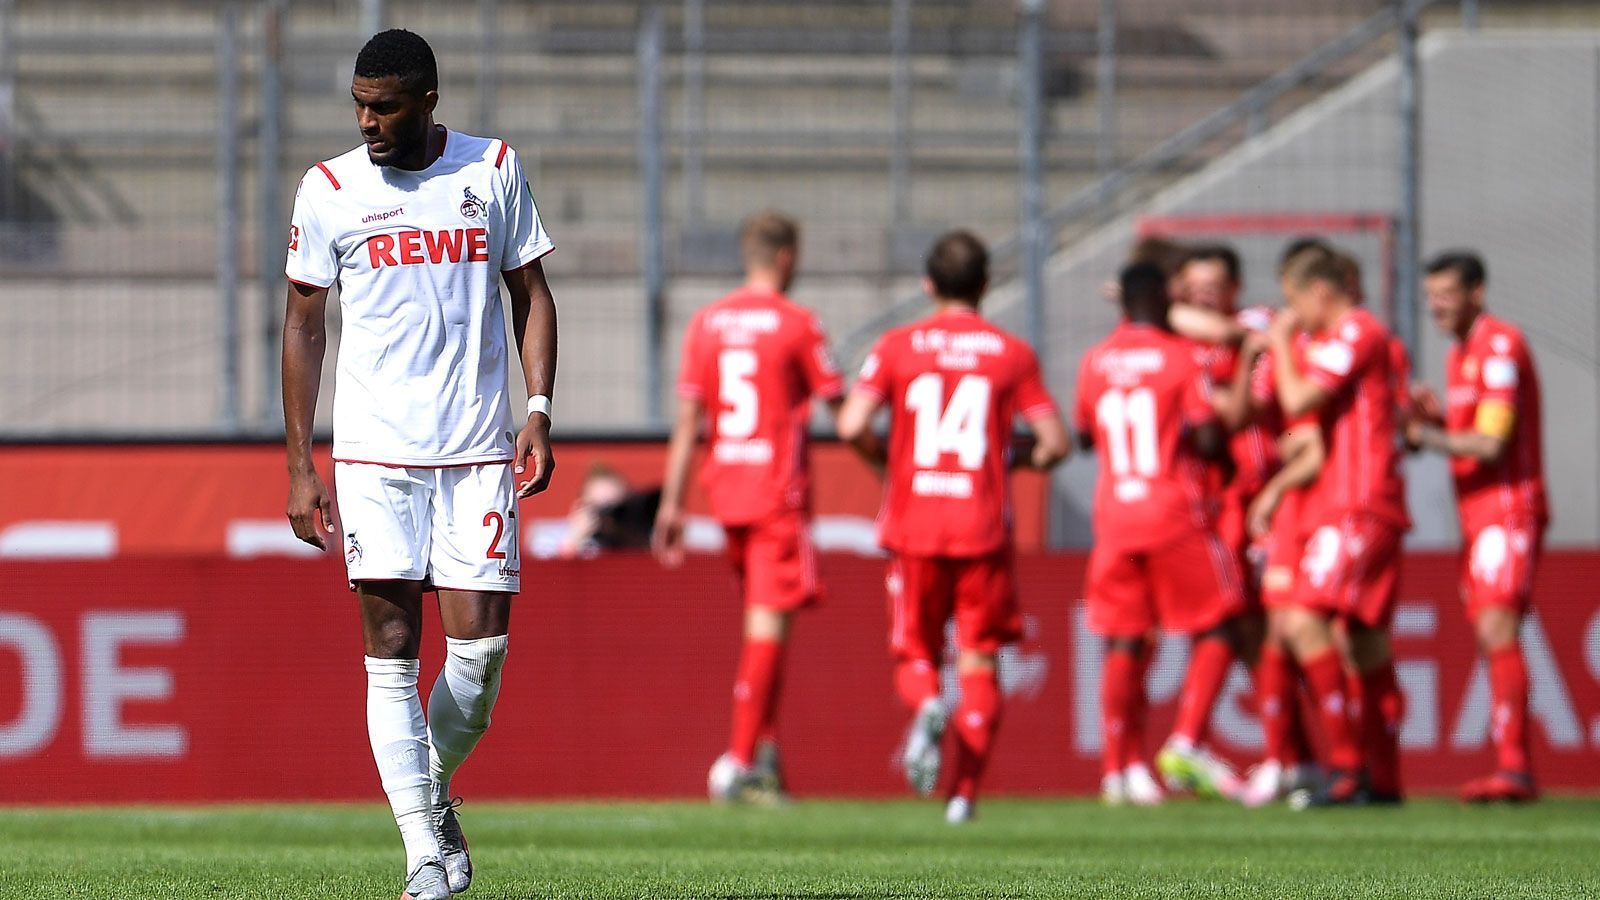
point(817, 849)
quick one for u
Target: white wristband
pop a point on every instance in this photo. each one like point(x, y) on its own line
point(539, 403)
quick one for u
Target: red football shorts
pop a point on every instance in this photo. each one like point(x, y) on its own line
point(1281, 550)
point(1248, 555)
point(1497, 568)
point(926, 591)
point(1231, 521)
point(775, 562)
point(1188, 586)
point(1351, 568)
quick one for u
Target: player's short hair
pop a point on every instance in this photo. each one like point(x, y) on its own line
point(958, 266)
point(1164, 253)
point(1318, 263)
point(402, 54)
point(1144, 287)
point(766, 233)
point(1466, 264)
point(1221, 253)
point(1352, 273)
point(1297, 246)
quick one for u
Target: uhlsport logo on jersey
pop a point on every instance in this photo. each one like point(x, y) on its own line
point(352, 553)
point(473, 207)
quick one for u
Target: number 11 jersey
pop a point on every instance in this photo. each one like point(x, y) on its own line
point(954, 384)
point(1139, 392)
point(756, 360)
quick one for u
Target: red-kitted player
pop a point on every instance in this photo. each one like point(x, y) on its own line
point(1490, 430)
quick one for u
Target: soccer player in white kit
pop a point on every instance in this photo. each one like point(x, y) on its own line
point(418, 227)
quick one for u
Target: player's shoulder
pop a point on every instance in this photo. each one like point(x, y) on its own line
point(472, 149)
point(797, 315)
point(1360, 324)
point(331, 176)
point(1500, 337)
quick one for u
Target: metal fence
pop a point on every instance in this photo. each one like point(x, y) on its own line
point(148, 157)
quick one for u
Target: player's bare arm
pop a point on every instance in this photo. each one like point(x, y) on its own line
point(869, 444)
point(666, 539)
point(1234, 402)
point(1205, 325)
point(305, 338)
point(533, 321)
point(1303, 452)
point(1297, 394)
point(1052, 442)
point(1486, 441)
point(853, 420)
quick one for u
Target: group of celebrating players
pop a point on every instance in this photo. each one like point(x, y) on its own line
point(1249, 492)
point(1250, 497)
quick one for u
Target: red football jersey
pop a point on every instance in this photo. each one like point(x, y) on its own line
point(756, 360)
point(954, 385)
point(1139, 391)
point(1495, 364)
point(1353, 361)
point(1254, 447)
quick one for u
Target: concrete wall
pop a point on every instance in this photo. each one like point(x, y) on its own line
point(1509, 163)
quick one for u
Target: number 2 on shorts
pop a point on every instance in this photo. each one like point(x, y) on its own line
point(499, 523)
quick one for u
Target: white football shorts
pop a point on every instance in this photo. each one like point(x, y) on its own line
point(455, 528)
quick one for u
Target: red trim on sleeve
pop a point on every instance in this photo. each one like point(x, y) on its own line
point(861, 387)
point(1040, 411)
point(331, 180)
point(501, 156)
point(314, 287)
point(528, 263)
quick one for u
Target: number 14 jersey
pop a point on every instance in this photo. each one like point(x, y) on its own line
point(954, 384)
point(1139, 392)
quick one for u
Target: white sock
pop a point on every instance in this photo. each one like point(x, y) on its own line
point(459, 707)
point(400, 745)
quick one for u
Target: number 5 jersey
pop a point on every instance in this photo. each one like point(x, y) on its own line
point(755, 360)
point(954, 385)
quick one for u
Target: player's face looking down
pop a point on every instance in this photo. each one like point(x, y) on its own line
point(1314, 302)
point(394, 122)
point(1452, 304)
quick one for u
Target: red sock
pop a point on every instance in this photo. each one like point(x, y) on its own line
point(1279, 704)
point(1508, 681)
point(1209, 661)
point(1325, 676)
point(754, 696)
point(1140, 709)
point(916, 681)
point(976, 721)
point(1119, 682)
point(769, 717)
point(1382, 708)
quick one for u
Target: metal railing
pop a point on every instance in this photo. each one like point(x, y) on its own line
point(1127, 184)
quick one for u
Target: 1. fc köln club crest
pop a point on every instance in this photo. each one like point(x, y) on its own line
point(473, 207)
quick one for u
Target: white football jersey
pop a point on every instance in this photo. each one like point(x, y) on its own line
point(421, 377)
